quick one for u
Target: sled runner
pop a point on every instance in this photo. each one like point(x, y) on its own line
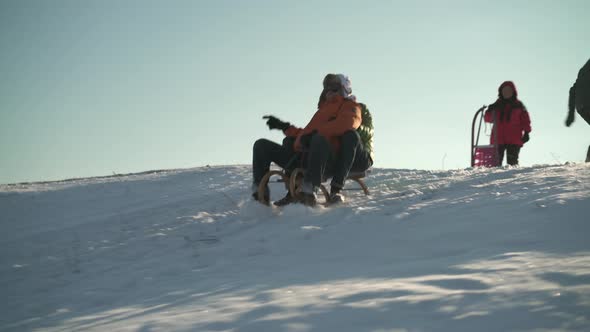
point(482, 155)
point(293, 182)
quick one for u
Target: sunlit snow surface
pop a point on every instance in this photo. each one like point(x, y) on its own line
point(187, 250)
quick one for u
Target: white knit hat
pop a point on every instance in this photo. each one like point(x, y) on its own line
point(346, 87)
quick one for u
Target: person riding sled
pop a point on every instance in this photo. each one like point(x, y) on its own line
point(579, 98)
point(329, 144)
point(512, 123)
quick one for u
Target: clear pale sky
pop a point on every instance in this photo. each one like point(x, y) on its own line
point(93, 87)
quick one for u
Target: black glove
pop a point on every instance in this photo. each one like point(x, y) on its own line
point(275, 123)
point(305, 140)
point(525, 137)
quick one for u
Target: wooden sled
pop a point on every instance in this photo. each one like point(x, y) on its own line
point(294, 183)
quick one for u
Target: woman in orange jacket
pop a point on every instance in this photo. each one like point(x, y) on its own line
point(334, 124)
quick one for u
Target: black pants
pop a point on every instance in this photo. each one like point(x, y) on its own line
point(319, 160)
point(512, 152)
point(352, 158)
point(316, 159)
point(266, 152)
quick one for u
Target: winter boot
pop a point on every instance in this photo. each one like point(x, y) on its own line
point(307, 199)
point(307, 195)
point(288, 199)
point(335, 196)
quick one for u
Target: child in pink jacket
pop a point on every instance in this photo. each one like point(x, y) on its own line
point(512, 123)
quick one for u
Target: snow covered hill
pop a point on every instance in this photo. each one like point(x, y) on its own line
point(506, 249)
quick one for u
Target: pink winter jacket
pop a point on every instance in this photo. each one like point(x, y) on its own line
point(512, 118)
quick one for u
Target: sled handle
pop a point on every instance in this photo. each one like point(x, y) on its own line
point(474, 142)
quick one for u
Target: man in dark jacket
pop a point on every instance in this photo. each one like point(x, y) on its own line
point(580, 99)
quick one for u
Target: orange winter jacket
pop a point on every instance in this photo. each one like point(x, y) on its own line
point(333, 118)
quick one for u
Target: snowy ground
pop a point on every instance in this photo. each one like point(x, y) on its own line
point(462, 250)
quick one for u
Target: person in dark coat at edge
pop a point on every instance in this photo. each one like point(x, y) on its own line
point(512, 123)
point(329, 144)
point(579, 99)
